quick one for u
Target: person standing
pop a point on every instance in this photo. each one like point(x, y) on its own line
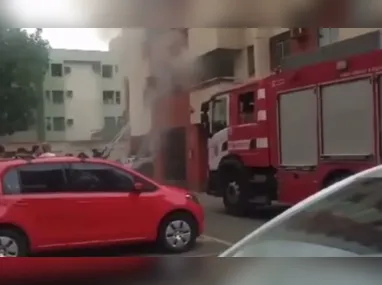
point(36, 150)
point(47, 150)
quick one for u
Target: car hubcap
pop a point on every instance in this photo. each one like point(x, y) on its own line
point(233, 192)
point(8, 247)
point(178, 234)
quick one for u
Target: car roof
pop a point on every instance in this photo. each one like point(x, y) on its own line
point(6, 163)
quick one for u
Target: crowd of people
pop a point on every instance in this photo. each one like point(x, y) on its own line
point(41, 150)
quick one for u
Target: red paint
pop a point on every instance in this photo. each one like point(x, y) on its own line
point(27, 270)
point(295, 186)
point(306, 43)
point(172, 112)
point(80, 219)
point(197, 166)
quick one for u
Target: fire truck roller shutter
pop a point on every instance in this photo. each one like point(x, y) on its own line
point(348, 118)
point(298, 128)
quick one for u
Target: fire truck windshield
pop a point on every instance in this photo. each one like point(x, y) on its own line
point(219, 120)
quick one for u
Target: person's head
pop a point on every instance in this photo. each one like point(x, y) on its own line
point(2, 150)
point(82, 155)
point(21, 151)
point(46, 147)
point(36, 149)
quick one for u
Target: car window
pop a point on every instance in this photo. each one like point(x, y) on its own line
point(11, 183)
point(96, 177)
point(347, 222)
point(35, 179)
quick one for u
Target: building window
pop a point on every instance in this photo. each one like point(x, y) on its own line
point(48, 123)
point(58, 97)
point(247, 107)
point(56, 69)
point(118, 97)
point(279, 49)
point(108, 97)
point(58, 124)
point(327, 36)
point(219, 63)
point(251, 60)
point(107, 71)
point(67, 70)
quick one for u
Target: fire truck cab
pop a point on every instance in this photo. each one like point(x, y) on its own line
point(285, 137)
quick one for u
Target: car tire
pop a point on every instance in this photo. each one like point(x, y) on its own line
point(18, 242)
point(177, 233)
point(234, 204)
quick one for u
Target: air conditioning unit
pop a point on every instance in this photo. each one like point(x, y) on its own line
point(297, 33)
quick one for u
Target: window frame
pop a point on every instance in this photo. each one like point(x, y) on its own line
point(54, 125)
point(279, 47)
point(106, 94)
point(61, 95)
point(128, 174)
point(104, 70)
point(53, 74)
point(18, 168)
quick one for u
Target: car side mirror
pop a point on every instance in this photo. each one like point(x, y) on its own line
point(138, 187)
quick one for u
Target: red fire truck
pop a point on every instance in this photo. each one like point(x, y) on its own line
point(287, 136)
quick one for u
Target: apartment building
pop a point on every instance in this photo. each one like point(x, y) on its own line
point(84, 103)
point(220, 58)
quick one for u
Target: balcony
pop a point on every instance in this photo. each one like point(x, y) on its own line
point(219, 63)
point(204, 40)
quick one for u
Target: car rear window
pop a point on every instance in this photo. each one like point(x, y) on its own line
point(35, 179)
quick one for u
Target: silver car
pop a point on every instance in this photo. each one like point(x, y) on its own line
point(343, 220)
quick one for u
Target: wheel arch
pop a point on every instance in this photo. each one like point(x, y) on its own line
point(17, 229)
point(335, 174)
point(228, 157)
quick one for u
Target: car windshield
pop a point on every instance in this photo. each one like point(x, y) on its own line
point(343, 221)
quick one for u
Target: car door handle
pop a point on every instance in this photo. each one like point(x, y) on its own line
point(22, 204)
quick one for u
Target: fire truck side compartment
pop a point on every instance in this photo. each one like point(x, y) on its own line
point(347, 119)
point(298, 128)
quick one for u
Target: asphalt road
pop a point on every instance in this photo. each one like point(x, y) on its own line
point(221, 231)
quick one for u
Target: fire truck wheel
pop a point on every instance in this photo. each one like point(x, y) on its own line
point(234, 183)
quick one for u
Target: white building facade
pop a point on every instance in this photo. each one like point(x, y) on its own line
point(84, 103)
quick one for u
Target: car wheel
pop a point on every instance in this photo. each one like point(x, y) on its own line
point(178, 233)
point(12, 244)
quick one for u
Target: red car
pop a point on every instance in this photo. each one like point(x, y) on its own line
point(66, 202)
